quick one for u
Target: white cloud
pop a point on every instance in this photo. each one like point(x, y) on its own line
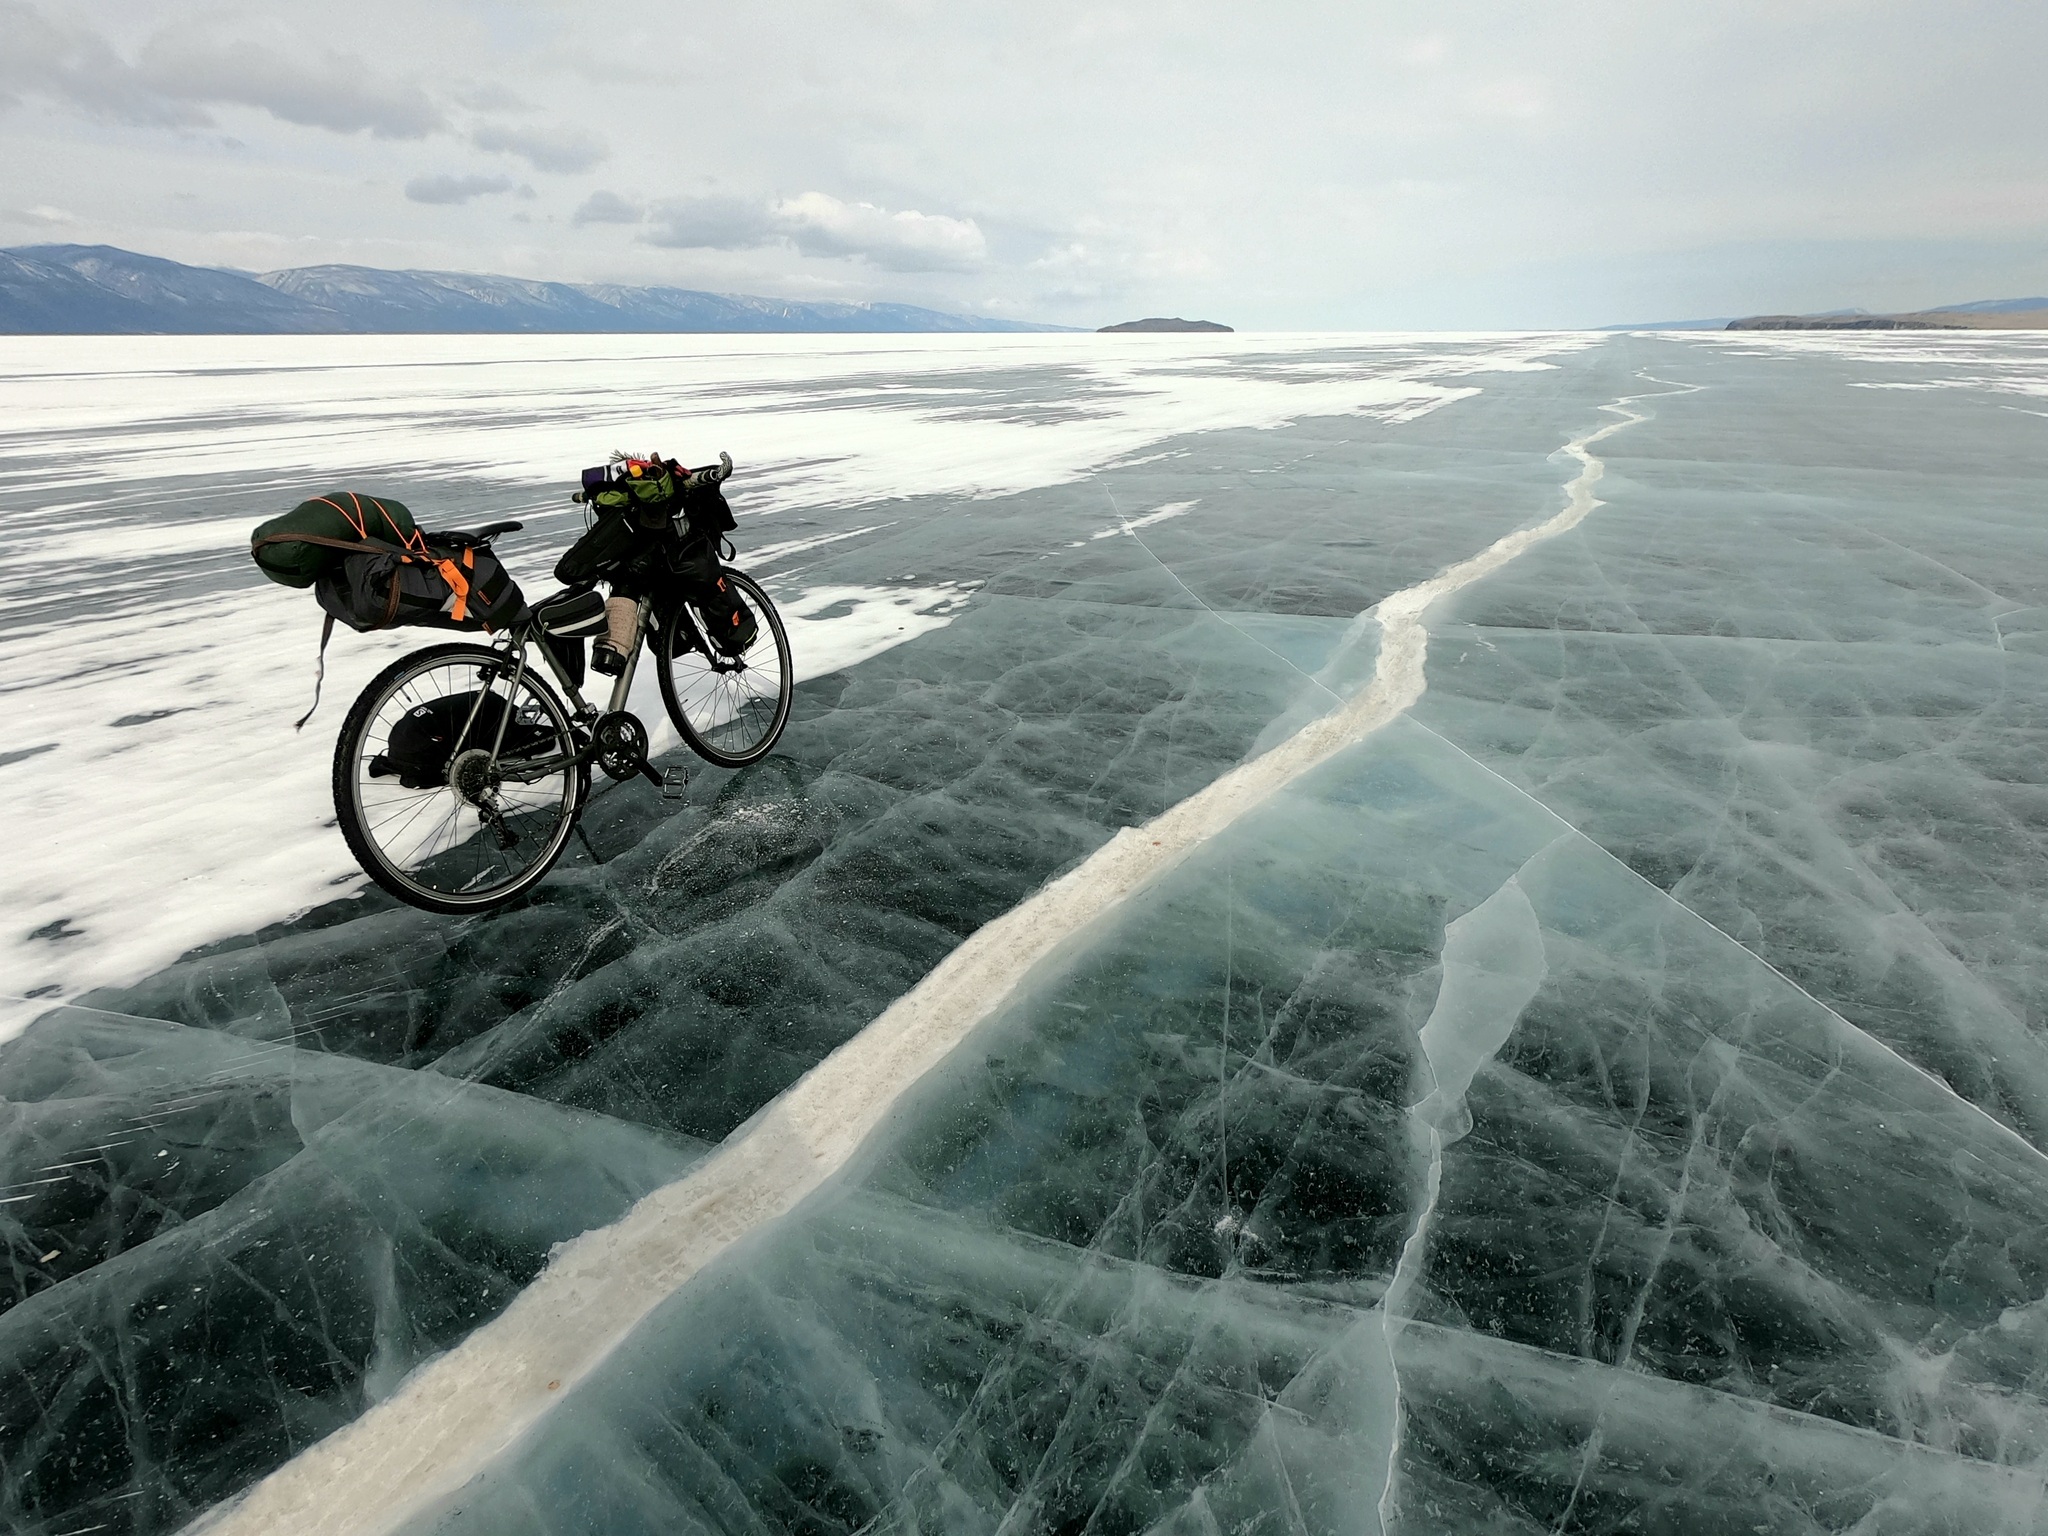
point(313, 88)
point(821, 225)
point(1479, 163)
point(71, 62)
point(1426, 51)
point(713, 224)
point(180, 72)
point(818, 224)
point(1515, 99)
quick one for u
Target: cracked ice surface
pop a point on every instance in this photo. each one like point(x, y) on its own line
point(1516, 1122)
point(1126, 1260)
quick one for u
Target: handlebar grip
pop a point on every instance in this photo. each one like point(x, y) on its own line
point(577, 497)
point(711, 474)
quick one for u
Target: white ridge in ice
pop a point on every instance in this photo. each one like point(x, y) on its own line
point(457, 1413)
point(1493, 964)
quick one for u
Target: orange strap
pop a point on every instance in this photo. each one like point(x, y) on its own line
point(354, 520)
point(457, 582)
point(360, 520)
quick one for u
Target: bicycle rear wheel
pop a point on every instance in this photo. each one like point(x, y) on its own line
point(424, 785)
point(730, 709)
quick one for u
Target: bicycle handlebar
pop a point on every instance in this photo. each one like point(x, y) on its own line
point(696, 480)
point(711, 474)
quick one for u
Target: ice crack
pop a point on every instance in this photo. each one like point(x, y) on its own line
point(448, 1420)
point(1493, 964)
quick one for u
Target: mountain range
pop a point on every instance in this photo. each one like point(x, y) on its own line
point(103, 290)
point(1982, 315)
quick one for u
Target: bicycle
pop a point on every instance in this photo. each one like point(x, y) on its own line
point(459, 774)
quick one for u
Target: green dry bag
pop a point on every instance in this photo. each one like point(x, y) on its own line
point(284, 550)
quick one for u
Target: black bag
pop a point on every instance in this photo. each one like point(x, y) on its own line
point(370, 581)
point(706, 511)
point(729, 623)
point(422, 741)
point(442, 587)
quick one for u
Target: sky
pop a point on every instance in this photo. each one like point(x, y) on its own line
point(1294, 165)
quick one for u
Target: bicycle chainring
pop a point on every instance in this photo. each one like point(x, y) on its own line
point(621, 742)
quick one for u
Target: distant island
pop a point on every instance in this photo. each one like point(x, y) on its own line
point(1983, 315)
point(83, 290)
point(1159, 324)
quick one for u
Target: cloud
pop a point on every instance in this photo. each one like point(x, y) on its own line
point(177, 75)
point(74, 63)
point(817, 224)
point(608, 208)
point(44, 216)
point(335, 91)
point(541, 149)
point(455, 189)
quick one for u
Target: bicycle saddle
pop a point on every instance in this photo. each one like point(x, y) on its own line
point(483, 535)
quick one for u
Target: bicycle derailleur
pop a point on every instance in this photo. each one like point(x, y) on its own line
point(472, 777)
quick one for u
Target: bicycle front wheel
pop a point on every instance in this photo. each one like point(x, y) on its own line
point(429, 788)
point(730, 709)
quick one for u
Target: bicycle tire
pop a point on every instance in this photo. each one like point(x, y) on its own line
point(714, 740)
point(353, 759)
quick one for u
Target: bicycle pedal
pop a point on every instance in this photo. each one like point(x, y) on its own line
point(674, 782)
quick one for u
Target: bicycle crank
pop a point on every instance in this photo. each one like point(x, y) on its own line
point(621, 742)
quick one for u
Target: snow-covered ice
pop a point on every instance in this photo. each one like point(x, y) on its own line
point(1350, 933)
point(135, 633)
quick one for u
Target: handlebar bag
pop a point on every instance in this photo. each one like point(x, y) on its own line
point(435, 586)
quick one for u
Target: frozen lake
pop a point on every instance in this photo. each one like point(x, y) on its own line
point(1350, 933)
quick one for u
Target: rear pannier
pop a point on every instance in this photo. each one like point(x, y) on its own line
point(371, 567)
point(443, 588)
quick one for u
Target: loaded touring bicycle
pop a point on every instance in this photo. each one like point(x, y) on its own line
point(461, 770)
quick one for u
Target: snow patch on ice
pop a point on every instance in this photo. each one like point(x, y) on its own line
point(529, 409)
point(835, 627)
point(148, 831)
point(154, 795)
point(773, 554)
point(1131, 525)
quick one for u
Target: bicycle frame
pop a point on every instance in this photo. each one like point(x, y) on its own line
point(518, 643)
